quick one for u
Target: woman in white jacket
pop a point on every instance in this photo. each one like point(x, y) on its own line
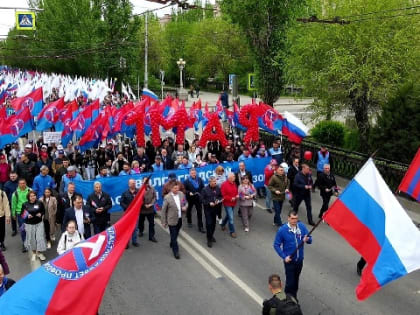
point(69, 238)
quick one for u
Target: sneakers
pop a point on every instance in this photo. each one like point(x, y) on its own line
point(3, 248)
point(48, 244)
point(41, 257)
point(233, 235)
point(52, 238)
point(24, 250)
point(246, 229)
point(269, 210)
point(14, 233)
point(209, 244)
point(33, 258)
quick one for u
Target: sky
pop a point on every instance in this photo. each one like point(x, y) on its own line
point(7, 17)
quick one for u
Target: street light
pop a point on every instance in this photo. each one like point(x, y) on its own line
point(182, 94)
point(181, 64)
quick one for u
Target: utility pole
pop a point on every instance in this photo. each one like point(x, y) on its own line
point(146, 47)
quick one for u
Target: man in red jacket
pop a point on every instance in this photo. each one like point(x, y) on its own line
point(230, 196)
point(268, 172)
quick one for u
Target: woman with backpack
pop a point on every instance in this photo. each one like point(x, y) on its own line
point(69, 238)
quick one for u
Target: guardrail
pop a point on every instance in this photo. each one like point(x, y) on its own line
point(345, 163)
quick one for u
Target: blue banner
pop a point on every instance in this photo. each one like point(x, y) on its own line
point(116, 185)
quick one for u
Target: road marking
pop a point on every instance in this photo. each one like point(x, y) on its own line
point(223, 268)
point(194, 254)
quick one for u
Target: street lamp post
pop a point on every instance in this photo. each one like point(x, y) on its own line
point(182, 94)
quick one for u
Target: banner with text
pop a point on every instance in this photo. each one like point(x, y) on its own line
point(116, 185)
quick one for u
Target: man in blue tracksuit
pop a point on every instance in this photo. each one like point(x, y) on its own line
point(288, 238)
point(42, 181)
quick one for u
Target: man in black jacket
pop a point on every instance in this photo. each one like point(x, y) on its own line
point(291, 174)
point(26, 169)
point(241, 173)
point(100, 203)
point(81, 214)
point(303, 186)
point(280, 303)
point(168, 164)
point(211, 197)
point(193, 186)
point(65, 201)
point(126, 198)
point(327, 186)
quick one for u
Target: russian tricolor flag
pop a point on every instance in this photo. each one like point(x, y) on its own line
point(294, 128)
point(74, 282)
point(370, 218)
point(411, 181)
point(149, 94)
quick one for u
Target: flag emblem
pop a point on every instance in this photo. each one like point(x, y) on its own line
point(16, 127)
point(84, 258)
point(28, 102)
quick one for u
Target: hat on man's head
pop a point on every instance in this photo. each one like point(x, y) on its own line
point(172, 176)
point(60, 147)
point(60, 151)
point(71, 168)
point(274, 162)
point(28, 146)
point(44, 146)
point(103, 146)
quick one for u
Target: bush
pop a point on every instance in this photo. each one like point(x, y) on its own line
point(329, 132)
point(351, 140)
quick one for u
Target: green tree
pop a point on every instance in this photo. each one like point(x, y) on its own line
point(354, 67)
point(265, 23)
point(215, 49)
point(397, 133)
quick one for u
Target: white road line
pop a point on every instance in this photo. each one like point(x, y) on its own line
point(223, 268)
point(194, 254)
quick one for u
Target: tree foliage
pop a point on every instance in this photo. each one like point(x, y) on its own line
point(397, 133)
point(265, 23)
point(329, 132)
point(356, 66)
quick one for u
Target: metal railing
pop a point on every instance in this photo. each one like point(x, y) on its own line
point(345, 163)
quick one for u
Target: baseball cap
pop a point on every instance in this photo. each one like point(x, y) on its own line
point(274, 162)
point(102, 146)
point(44, 146)
point(71, 168)
point(28, 146)
point(60, 152)
point(60, 147)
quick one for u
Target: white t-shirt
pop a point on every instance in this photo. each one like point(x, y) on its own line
point(178, 204)
point(79, 220)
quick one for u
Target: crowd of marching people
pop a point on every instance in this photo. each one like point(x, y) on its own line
point(38, 189)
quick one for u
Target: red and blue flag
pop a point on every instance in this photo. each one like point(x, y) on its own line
point(16, 126)
point(66, 115)
point(33, 100)
point(411, 181)
point(270, 121)
point(49, 114)
point(74, 282)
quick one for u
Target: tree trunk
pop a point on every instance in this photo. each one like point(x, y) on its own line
point(359, 107)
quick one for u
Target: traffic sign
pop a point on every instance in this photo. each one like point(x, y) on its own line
point(251, 82)
point(25, 21)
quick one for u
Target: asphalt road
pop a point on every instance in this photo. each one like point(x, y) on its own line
point(231, 277)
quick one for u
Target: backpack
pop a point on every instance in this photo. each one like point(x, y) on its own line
point(288, 306)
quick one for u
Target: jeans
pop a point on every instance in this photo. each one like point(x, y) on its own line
point(293, 270)
point(21, 221)
point(151, 219)
point(134, 235)
point(174, 231)
point(229, 218)
point(278, 205)
point(267, 197)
